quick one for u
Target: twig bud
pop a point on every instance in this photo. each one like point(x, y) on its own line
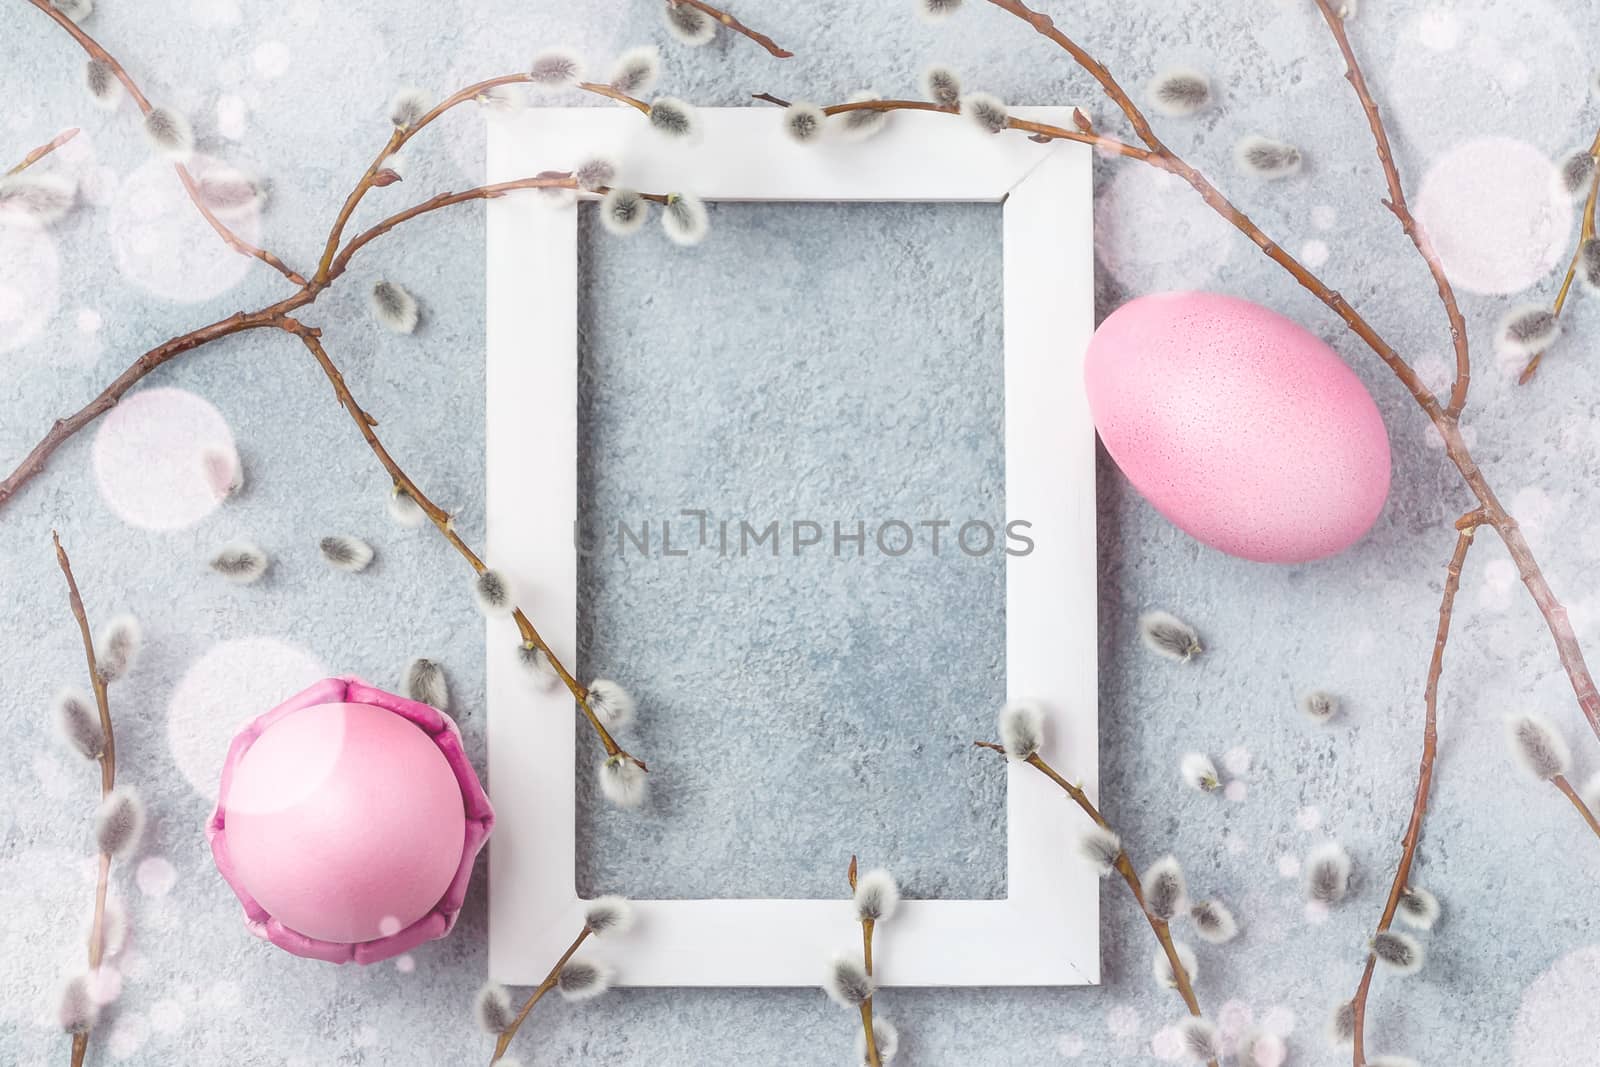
point(1418, 908)
point(594, 174)
point(688, 24)
point(1265, 157)
point(169, 133)
point(1526, 329)
point(1169, 636)
point(407, 107)
point(611, 703)
point(100, 78)
point(942, 85)
point(1021, 724)
point(608, 915)
point(1100, 847)
point(1165, 892)
point(673, 117)
point(1200, 1042)
point(392, 306)
point(876, 896)
point(582, 980)
point(1179, 92)
point(78, 723)
point(37, 198)
point(685, 219)
point(119, 822)
point(346, 553)
point(493, 1009)
point(1589, 264)
point(986, 110)
point(862, 123)
point(623, 782)
point(492, 591)
point(1538, 746)
point(76, 10)
point(1327, 873)
point(636, 70)
point(623, 211)
point(1199, 773)
point(1400, 953)
point(404, 509)
point(885, 1038)
point(118, 647)
point(847, 982)
point(1161, 966)
point(1577, 173)
point(425, 683)
point(937, 10)
point(240, 561)
point(556, 67)
point(77, 1011)
point(1214, 922)
point(804, 122)
point(1342, 1025)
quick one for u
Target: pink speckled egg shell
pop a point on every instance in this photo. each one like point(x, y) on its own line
point(1240, 426)
point(347, 823)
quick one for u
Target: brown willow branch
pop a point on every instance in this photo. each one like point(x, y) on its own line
point(1561, 783)
point(1465, 529)
point(1124, 867)
point(375, 175)
point(1550, 607)
point(1041, 131)
point(44, 150)
point(874, 1059)
point(1586, 231)
point(737, 27)
point(504, 1040)
point(108, 775)
point(233, 240)
point(1402, 211)
point(441, 519)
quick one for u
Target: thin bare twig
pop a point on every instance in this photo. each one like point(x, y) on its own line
point(738, 27)
point(1446, 421)
point(1586, 231)
point(1130, 875)
point(44, 150)
point(1561, 783)
point(503, 1042)
point(108, 776)
point(441, 519)
point(233, 240)
point(1402, 211)
point(1465, 529)
point(1041, 131)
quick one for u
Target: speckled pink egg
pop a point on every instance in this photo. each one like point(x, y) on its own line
point(1240, 426)
point(347, 822)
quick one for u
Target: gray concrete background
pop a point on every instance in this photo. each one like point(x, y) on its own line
point(296, 91)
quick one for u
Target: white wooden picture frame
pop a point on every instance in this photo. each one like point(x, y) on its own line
point(1046, 929)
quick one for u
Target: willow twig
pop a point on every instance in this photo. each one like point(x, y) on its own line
point(108, 776)
point(1586, 232)
point(1396, 203)
point(1041, 131)
point(233, 240)
point(1445, 420)
point(503, 1042)
point(738, 27)
point(1466, 527)
point(1561, 783)
point(442, 519)
point(44, 150)
point(867, 926)
point(1130, 875)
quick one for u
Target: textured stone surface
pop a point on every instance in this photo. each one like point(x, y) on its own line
point(298, 90)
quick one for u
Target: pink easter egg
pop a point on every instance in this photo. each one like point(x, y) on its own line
point(347, 823)
point(1240, 426)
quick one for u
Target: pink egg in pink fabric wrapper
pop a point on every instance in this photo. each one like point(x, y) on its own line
point(347, 823)
point(1240, 426)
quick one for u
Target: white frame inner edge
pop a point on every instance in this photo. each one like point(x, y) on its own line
point(1052, 900)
